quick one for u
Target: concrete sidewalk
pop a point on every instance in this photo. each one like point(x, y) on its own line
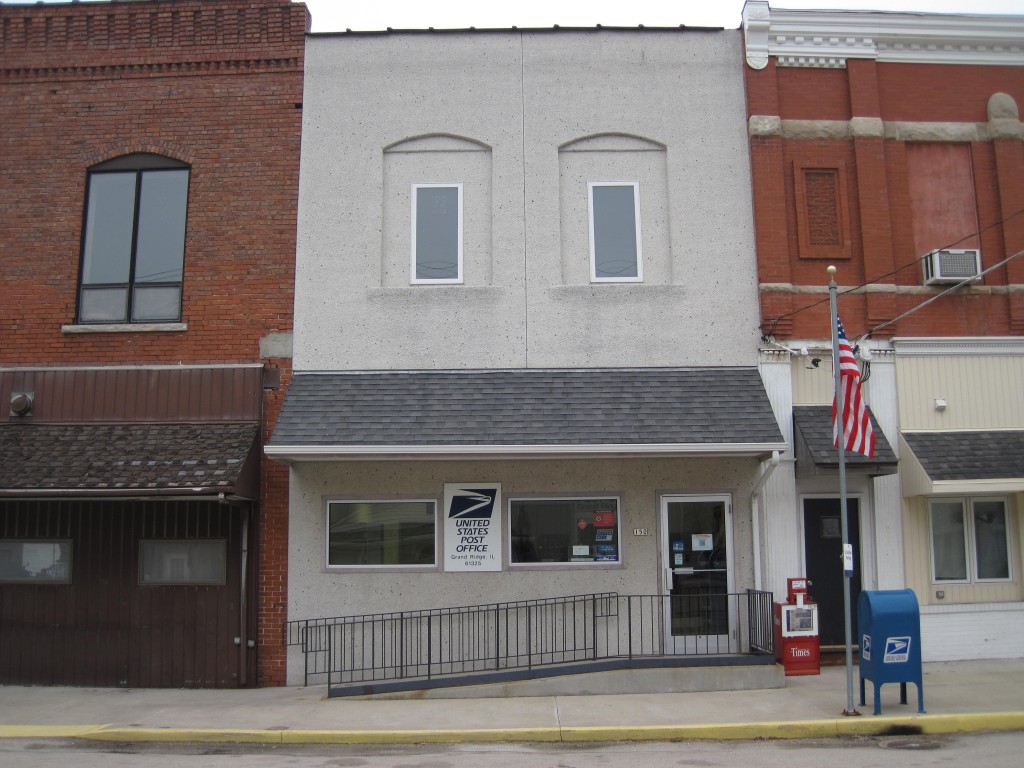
point(958, 696)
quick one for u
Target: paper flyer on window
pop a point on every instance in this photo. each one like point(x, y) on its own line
point(472, 527)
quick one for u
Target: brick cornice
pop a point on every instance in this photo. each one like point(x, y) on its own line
point(147, 36)
point(139, 70)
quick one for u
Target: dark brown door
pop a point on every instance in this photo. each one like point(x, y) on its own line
point(823, 545)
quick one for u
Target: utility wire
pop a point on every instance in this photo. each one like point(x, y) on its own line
point(937, 296)
point(917, 261)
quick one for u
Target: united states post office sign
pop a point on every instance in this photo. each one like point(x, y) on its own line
point(472, 527)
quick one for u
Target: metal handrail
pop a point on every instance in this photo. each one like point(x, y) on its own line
point(531, 634)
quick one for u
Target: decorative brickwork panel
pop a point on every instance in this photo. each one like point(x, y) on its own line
point(822, 212)
point(823, 221)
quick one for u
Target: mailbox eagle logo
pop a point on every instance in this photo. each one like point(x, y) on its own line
point(897, 650)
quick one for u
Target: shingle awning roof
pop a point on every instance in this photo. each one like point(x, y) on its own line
point(486, 414)
point(977, 461)
point(816, 453)
point(129, 459)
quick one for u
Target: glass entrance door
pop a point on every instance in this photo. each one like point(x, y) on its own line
point(696, 554)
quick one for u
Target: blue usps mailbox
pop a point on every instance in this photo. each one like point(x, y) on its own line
point(890, 642)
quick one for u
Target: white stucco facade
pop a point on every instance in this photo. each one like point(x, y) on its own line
point(521, 123)
point(524, 120)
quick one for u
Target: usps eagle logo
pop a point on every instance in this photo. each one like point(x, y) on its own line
point(897, 650)
point(472, 502)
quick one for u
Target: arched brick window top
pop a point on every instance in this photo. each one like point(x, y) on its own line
point(136, 161)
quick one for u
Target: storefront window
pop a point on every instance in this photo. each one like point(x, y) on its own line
point(381, 533)
point(970, 541)
point(580, 530)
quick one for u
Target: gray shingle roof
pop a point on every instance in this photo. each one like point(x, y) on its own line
point(813, 432)
point(528, 407)
point(123, 457)
point(988, 455)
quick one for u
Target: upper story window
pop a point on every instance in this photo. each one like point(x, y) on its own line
point(616, 254)
point(970, 540)
point(437, 233)
point(133, 248)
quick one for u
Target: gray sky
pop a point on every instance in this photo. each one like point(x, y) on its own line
point(338, 15)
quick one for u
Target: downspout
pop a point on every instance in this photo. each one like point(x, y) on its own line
point(755, 511)
point(243, 599)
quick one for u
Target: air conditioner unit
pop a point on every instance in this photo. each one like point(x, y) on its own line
point(951, 265)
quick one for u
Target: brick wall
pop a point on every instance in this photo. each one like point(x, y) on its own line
point(272, 611)
point(217, 85)
point(878, 225)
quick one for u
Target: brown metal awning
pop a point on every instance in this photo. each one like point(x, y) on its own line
point(130, 459)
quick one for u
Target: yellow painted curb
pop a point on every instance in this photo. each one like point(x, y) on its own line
point(805, 729)
point(227, 735)
point(475, 736)
point(866, 725)
point(47, 731)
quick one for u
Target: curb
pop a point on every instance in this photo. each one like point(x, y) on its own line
point(792, 729)
point(49, 731)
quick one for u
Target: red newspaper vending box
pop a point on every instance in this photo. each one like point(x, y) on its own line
point(797, 646)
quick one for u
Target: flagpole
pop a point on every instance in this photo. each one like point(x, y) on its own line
point(847, 557)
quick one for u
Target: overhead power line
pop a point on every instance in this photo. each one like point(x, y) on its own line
point(914, 263)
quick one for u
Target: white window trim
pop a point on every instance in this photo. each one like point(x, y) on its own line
point(412, 234)
point(376, 566)
point(637, 232)
point(565, 564)
point(970, 540)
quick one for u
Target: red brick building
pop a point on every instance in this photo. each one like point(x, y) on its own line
point(147, 235)
point(870, 150)
point(890, 146)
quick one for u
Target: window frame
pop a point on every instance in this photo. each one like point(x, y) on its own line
point(342, 567)
point(971, 560)
point(564, 564)
point(414, 279)
point(219, 582)
point(637, 232)
point(63, 580)
point(139, 165)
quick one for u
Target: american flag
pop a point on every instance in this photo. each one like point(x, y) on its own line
point(857, 431)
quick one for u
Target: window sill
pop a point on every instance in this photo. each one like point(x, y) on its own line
point(432, 293)
point(564, 566)
point(646, 290)
point(126, 328)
